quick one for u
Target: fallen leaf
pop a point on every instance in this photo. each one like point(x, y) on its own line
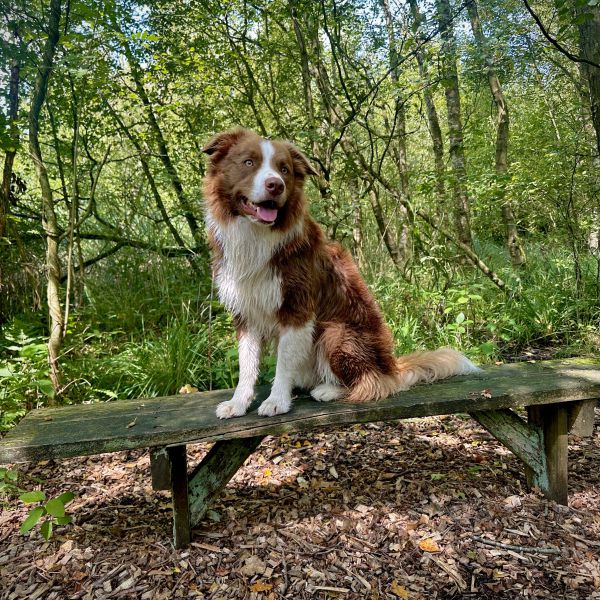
point(188, 389)
point(486, 393)
point(253, 566)
point(399, 590)
point(429, 545)
point(129, 425)
point(261, 586)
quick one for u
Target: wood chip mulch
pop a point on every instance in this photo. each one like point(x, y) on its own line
point(428, 508)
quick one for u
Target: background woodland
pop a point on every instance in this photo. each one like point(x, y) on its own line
point(457, 145)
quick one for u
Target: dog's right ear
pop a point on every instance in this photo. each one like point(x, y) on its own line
point(219, 146)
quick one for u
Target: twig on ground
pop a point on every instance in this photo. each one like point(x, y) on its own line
point(487, 542)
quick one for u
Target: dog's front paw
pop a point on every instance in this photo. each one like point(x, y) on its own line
point(229, 409)
point(274, 406)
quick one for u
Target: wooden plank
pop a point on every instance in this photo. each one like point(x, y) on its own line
point(109, 427)
point(160, 467)
point(523, 439)
point(215, 470)
point(581, 418)
point(182, 533)
point(554, 423)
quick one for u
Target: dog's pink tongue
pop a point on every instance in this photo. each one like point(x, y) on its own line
point(266, 214)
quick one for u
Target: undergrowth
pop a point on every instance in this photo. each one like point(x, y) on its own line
point(145, 329)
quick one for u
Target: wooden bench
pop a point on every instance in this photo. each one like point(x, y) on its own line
point(558, 396)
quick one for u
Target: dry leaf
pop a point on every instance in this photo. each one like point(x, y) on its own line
point(253, 566)
point(429, 545)
point(188, 389)
point(261, 586)
point(130, 425)
point(486, 393)
point(399, 590)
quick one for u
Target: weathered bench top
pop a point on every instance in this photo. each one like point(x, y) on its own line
point(172, 420)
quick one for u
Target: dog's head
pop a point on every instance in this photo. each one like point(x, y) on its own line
point(258, 179)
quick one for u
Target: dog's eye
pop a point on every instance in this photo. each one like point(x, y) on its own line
point(249, 162)
point(285, 170)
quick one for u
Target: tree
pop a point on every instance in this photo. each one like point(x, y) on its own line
point(513, 242)
point(49, 220)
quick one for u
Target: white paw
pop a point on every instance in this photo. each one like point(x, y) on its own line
point(274, 406)
point(229, 409)
point(327, 392)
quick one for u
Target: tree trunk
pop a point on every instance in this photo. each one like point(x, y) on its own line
point(513, 242)
point(399, 151)
point(49, 221)
point(13, 113)
point(589, 43)
point(433, 121)
point(455, 128)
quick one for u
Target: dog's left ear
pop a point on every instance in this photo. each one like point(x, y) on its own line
point(301, 164)
point(219, 146)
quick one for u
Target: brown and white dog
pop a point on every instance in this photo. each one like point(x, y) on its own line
point(283, 280)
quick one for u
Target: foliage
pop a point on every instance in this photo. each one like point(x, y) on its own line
point(50, 512)
point(137, 88)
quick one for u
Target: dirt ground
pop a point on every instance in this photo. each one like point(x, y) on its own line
point(428, 508)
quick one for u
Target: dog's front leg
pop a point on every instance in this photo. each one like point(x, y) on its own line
point(293, 351)
point(249, 349)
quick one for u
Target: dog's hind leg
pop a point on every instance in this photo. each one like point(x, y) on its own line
point(326, 392)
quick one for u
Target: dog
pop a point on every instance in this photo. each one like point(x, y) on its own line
point(282, 280)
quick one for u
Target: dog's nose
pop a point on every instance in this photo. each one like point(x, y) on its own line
point(275, 186)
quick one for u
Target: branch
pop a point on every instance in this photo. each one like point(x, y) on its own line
point(560, 48)
point(92, 261)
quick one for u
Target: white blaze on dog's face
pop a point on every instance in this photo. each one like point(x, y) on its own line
point(255, 178)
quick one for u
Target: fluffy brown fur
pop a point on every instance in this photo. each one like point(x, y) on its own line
point(319, 280)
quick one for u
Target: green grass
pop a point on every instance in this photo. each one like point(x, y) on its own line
point(157, 330)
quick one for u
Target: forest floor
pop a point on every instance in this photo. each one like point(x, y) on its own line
point(376, 511)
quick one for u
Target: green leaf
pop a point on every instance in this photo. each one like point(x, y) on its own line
point(46, 387)
point(46, 529)
point(29, 497)
point(32, 518)
point(66, 497)
point(460, 317)
point(64, 520)
point(55, 508)
point(437, 476)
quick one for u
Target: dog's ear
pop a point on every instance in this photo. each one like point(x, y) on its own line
point(220, 144)
point(301, 164)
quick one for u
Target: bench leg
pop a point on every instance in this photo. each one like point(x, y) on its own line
point(160, 467)
point(182, 531)
point(540, 442)
point(553, 421)
point(581, 418)
point(215, 470)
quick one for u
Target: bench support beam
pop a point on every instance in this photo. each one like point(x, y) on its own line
point(214, 472)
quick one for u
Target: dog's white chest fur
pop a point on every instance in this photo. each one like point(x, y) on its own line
point(247, 284)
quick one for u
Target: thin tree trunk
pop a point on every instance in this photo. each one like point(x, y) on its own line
point(399, 151)
point(435, 131)
point(589, 43)
point(513, 242)
point(9, 158)
point(164, 154)
point(49, 216)
point(455, 127)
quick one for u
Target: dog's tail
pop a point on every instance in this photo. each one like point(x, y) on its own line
point(425, 367)
point(420, 367)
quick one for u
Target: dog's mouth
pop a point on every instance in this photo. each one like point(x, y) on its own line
point(263, 212)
